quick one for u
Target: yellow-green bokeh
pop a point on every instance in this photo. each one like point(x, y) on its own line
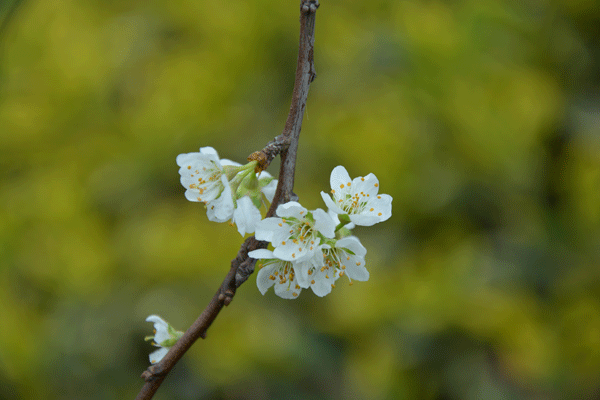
point(480, 118)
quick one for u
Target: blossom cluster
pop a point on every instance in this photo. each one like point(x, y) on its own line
point(313, 249)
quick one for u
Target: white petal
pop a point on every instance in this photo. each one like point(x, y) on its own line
point(369, 185)
point(225, 161)
point(246, 216)
point(191, 195)
point(302, 276)
point(261, 254)
point(208, 150)
point(382, 204)
point(269, 190)
point(291, 209)
point(266, 228)
point(339, 179)
point(287, 290)
point(321, 287)
point(158, 355)
point(353, 244)
point(157, 320)
point(331, 204)
point(186, 159)
point(221, 208)
point(364, 220)
point(355, 266)
point(301, 268)
point(291, 251)
point(262, 279)
point(324, 223)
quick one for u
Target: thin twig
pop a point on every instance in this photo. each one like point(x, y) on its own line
point(242, 266)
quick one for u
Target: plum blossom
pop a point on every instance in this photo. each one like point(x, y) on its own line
point(296, 233)
point(278, 273)
point(229, 190)
point(203, 176)
point(346, 257)
point(165, 336)
point(357, 198)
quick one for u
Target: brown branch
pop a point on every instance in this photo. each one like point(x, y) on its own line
point(242, 266)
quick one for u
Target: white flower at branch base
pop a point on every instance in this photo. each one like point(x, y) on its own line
point(295, 233)
point(357, 198)
point(165, 336)
point(230, 191)
point(203, 176)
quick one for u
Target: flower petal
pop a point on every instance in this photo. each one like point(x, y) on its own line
point(324, 223)
point(261, 254)
point(331, 204)
point(246, 216)
point(339, 178)
point(269, 190)
point(158, 355)
point(263, 280)
point(221, 208)
point(291, 209)
point(265, 229)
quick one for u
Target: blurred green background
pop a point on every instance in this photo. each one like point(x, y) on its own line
point(480, 117)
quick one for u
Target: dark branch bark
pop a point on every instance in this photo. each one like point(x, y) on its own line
point(242, 266)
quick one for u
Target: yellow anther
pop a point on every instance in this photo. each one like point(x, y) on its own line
point(189, 167)
point(342, 186)
point(379, 214)
point(312, 282)
point(376, 185)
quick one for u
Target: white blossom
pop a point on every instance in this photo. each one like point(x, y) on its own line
point(229, 190)
point(165, 336)
point(276, 272)
point(295, 233)
point(204, 178)
point(246, 216)
point(358, 198)
point(346, 257)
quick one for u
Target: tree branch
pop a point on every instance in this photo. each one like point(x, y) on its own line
point(286, 144)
